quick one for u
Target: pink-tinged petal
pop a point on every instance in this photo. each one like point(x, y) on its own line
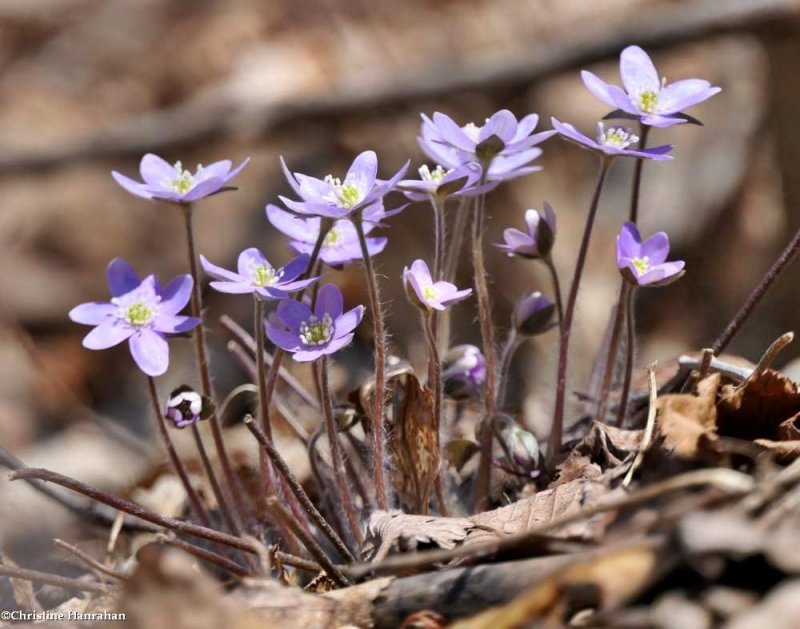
point(628, 243)
point(134, 187)
point(663, 274)
point(313, 189)
point(391, 183)
point(363, 172)
point(526, 127)
point(451, 133)
point(681, 95)
point(218, 272)
point(93, 313)
point(420, 270)
point(638, 72)
point(656, 248)
point(530, 141)
point(439, 152)
point(597, 87)
point(293, 313)
point(203, 189)
point(349, 321)
point(622, 100)
point(502, 164)
point(121, 277)
point(176, 294)
point(305, 229)
point(233, 288)
point(150, 350)
point(454, 298)
point(503, 124)
point(236, 170)
point(571, 133)
point(107, 335)
point(174, 324)
point(218, 169)
point(295, 268)
point(411, 282)
point(156, 171)
point(517, 241)
point(307, 208)
point(338, 343)
point(329, 301)
point(290, 178)
point(283, 338)
point(662, 122)
point(248, 260)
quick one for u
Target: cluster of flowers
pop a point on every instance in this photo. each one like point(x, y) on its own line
point(331, 221)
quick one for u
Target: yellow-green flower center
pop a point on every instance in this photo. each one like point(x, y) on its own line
point(139, 314)
point(183, 181)
point(435, 175)
point(642, 265)
point(648, 101)
point(430, 293)
point(347, 194)
point(265, 275)
point(331, 238)
point(315, 331)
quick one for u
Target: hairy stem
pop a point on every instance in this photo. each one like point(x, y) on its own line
point(554, 445)
point(633, 215)
point(613, 351)
point(458, 232)
point(379, 399)
point(548, 261)
point(267, 475)
point(629, 349)
point(428, 321)
point(512, 343)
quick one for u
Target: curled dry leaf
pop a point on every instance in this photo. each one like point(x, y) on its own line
point(686, 420)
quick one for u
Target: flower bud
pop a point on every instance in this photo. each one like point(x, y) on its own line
point(464, 371)
point(186, 407)
point(520, 446)
point(533, 315)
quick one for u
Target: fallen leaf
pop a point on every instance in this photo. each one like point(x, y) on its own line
point(685, 420)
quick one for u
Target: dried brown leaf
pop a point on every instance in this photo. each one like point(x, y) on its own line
point(686, 420)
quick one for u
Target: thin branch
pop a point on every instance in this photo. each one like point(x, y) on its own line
point(90, 561)
point(53, 579)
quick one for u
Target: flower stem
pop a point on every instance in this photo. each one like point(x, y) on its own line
point(626, 381)
point(557, 430)
point(428, 321)
point(452, 258)
point(231, 483)
point(644, 131)
point(194, 500)
point(613, 351)
point(336, 455)
point(379, 399)
point(556, 288)
point(512, 343)
point(438, 231)
point(483, 480)
point(268, 477)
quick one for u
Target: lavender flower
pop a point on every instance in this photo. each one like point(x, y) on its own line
point(644, 264)
point(654, 102)
point(186, 407)
point(140, 312)
point(506, 145)
point(172, 183)
point(464, 371)
point(539, 239)
point(333, 198)
point(533, 314)
point(426, 294)
point(614, 141)
point(256, 275)
point(459, 181)
point(340, 246)
point(312, 335)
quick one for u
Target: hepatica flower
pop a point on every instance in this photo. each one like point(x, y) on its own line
point(533, 314)
point(653, 101)
point(537, 239)
point(336, 198)
point(186, 407)
point(459, 181)
point(256, 275)
point(426, 294)
point(464, 371)
point(645, 263)
point(309, 335)
point(141, 312)
point(171, 182)
point(506, 145)
point(340, 246)
point(614, 141)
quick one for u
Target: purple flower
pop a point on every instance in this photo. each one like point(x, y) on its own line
point(653, 101)
point(141, 312)
point(256, 275)
point(172, 183)
point(508, 146)
point(312, 335)
point(533, 314)
point(644, 263)
point(186, 407)
point(333, 198)
point(459, 181)
point(613, 141)
point(426, 294)
point(539, 239)
point(464, 371)
point(340, 246)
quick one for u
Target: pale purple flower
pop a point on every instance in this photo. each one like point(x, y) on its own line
point(508, 146)
point(645, 263)
point(464, 371)
point(653, 101)
point(537, 241)
point(311, 335)
point(533, 314)
point(340, 246)
point(171, 182)
point(426, 294)
point(140, 312)
point(614, 141)
point(459, 181)
point(335, 198)
point(186, 407)
point(254, 274)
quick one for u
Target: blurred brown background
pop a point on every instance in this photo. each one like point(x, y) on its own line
point(88, 86)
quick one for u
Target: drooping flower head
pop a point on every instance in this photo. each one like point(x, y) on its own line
point(645, 263)
point(171, 182)
point(464, 371)
point(614, 141)
point(533, 314)
point(441, 183)
point(340, 246)
point(336, 198)
point(538, 239)
point(426, 294)
point(503, 145)
point(256, 275)
point(186, 407)
point(309, 335)
point(652, 100)
point(141, 312)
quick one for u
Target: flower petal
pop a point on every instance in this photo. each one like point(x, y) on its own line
point(656, 248)
point(218, 272)
point(236, 170)
point(107, 335)
point(234, 288)
point(121, 277)
point(250, 259)
point(363, 171)
point(638, 72)
point(663, 274)
point(329, 301)
point(681, 95)
point(349, 321)
point(150, 350)
point(93, 313)
point(503, 124)
point(305, 229)
point(174, 324)
point(156, 171)
point(629, 243)
point(295, 268)
point(134, 187)
point(338, 343)
point(176, 294)
point(203, 189)
point(217, 169)
point(293, 313)
point(450, 133)
point(284, 339)
point(598, 87)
